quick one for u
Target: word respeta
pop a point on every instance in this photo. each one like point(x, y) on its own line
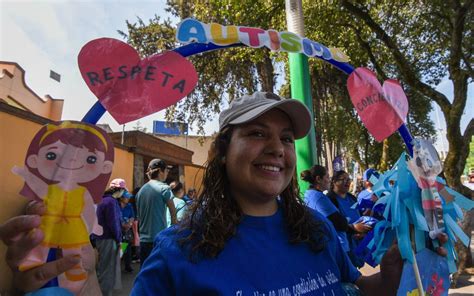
point(133, 72)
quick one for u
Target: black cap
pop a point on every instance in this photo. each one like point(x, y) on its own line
point(158, 164)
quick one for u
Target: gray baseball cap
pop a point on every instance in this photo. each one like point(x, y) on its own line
point(249, 107)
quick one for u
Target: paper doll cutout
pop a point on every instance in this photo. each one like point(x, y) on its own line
point(425, 167)
point(68, 165)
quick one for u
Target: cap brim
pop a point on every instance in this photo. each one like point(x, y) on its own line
point(296, 111)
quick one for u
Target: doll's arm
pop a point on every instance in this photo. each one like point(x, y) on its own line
point(34, 182)
point(90, 215)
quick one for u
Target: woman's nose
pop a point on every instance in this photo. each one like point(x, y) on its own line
point(275, 147)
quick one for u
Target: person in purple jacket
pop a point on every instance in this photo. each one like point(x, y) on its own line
point(108, 244)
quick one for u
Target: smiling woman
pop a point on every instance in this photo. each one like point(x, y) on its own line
point(248, 232)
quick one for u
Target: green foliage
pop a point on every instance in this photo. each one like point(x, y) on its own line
point(223, 75)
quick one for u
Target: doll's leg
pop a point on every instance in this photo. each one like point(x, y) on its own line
point(77, 273)
point(36, 257)
point(89, 286)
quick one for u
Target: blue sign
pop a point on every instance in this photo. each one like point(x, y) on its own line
point(433, 272)
point(169, 128)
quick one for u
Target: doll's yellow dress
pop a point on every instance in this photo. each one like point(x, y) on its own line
point(62, 224)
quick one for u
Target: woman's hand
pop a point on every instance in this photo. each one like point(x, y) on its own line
point(21, 234)
point(361, 227)
point(386, 282)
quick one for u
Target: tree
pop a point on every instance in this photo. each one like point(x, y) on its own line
point(425, 45)
point(337, 123)
point(223, 75)
point(139, 127)
point(227, 74)
point(422, 64)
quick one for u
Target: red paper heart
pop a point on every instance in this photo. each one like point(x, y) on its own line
point(131, 88)
point(382, 109)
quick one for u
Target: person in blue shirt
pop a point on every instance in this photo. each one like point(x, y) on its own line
point(366, 198)
point(189, 197)
point(343, 201)
point(177, 189)
point(127, 219)
point(248, 232)
point(318, 178)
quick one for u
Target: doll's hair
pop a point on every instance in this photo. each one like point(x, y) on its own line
point(77, 134)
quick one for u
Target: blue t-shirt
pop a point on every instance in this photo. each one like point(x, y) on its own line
point(258, 260)
point(345, 207)
point(318, 201)
point(364, 200)
point(127, 213)
point(364, 194)
point(151, 209)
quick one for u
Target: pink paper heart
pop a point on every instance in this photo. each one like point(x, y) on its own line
point(382, 109)
point(131, 88)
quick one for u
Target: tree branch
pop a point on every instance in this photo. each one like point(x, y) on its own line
point(469, 132)
point(469, 69)
point(402, 63)
point(372, 58)
point(456, 54)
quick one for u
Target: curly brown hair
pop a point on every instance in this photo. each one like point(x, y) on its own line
point(214, 216)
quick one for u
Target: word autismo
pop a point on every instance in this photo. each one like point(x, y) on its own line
point(191, 30)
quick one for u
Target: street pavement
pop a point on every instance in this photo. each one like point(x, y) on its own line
point(127, 281)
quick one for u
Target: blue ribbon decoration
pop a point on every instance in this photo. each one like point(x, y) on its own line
point(399, 191)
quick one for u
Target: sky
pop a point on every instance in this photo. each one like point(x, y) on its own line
point(47, 35)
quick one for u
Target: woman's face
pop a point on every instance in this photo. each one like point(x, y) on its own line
point(342, 183)
point(324, 182)
point(260, 159)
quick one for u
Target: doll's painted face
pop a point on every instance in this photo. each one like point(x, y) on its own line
point(67, 163)
point(426, 159)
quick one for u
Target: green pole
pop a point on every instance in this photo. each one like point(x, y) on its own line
point(301, 91)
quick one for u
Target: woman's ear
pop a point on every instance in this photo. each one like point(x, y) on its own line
point(317, 180)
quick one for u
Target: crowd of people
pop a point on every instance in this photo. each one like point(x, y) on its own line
point(331, 198)
point(158, 206)
point(248, 232)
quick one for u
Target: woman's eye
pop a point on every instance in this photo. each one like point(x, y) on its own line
point(257, 134)
point(51, 156)
point(288, 140)
point(91, 159)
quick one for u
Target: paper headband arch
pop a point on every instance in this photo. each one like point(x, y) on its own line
point(209, 37)
point(191, 30)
